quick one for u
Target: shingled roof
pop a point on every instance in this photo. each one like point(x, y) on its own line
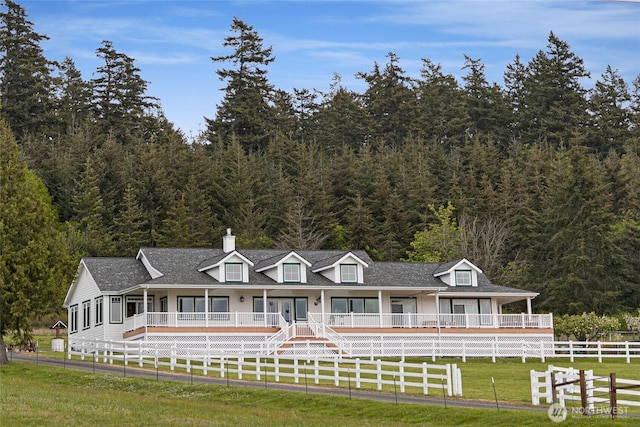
point(179, 266)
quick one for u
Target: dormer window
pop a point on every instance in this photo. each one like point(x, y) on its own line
point(348, 273)
point(463, 278)
point(233, 272)
point(291, 272)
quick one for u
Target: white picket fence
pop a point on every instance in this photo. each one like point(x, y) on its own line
point(337, 370)
point(597, 388)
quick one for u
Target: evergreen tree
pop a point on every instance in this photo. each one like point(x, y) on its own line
point(486, 107)
point(35, 267)
point(610, 121)
point(74, 96)
point(246, 112)
point(89, 215)
point(441, 107)
point(389, 101)
point(130, 225)
point(26, 85)
point(341, 120)
point(553, 103)
point(177, 229)
point(575, 261)
point(120, 103)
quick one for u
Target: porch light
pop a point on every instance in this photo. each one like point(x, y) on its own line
point(317, 301)
point(241, 298)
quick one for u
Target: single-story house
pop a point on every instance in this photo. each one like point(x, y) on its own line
point(272, 300)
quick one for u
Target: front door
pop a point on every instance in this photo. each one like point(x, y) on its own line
point(462, 307)
point(403, 312)
point(286, 309)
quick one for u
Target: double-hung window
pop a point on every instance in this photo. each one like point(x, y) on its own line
point(98, 311)
point(291, 272)
point(86, 314)
point(233, 272)
point(73, 327)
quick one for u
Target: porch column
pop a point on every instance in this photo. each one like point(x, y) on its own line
point(144, 311)
point(264, 306)
point(380, 307)
point(206, 307)
point(529, 306)
point(438, 312)
point(322, 313)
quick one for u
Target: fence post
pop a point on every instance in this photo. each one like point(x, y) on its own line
point(583, 394)
point(140, 353)
point(258, 368)
point(464, 352)
point(613, 395)
point(626, 348)
point(433, 351)
point(379, 374)
point(449, 375)
point(276, 367)
point(542, 357)
point(336, 372)
point(125, 354)
point(524, 352)
point(296, 372)
point(316, 370)
point(599, 352)
point(493, 350)
point(401, 373)
point(357, 372)
point(425, 379)
point(571, 351)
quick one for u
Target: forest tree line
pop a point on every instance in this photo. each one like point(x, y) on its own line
point(537, 180)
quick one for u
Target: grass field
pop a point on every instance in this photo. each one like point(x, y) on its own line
point(39, 395)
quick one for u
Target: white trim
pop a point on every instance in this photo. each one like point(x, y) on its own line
point(153, 272)
point(340, 261)
point(222, 261)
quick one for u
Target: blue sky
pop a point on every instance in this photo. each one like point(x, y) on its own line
point(172, 41)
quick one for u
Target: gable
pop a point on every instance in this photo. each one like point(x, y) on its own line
point(82, 288)
point(461, 273)
point(344, 268)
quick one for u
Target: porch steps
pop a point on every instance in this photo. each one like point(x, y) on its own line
point(320, 346)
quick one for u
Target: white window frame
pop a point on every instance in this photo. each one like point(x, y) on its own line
point(347, 276)
point(99, 311)
point(460, 275)
point(115, 316)
point(86, 314)
point(291, 272)
point(232, 276)
point(73, 319)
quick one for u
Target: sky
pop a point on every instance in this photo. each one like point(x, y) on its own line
point(172, 42)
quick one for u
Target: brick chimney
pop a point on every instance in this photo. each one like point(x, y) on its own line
point(229, 242)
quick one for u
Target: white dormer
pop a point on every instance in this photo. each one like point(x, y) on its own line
point(232, 267)
point(462, 273)
point(291, 268)
point(347, 269)
point(147, 264)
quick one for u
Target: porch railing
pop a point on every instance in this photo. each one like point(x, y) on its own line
point(416, 320)
point(221, 320)
point(341, 320)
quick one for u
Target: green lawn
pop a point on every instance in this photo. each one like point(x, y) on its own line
point(39, 395)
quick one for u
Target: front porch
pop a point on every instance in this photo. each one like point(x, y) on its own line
point(229, 321)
